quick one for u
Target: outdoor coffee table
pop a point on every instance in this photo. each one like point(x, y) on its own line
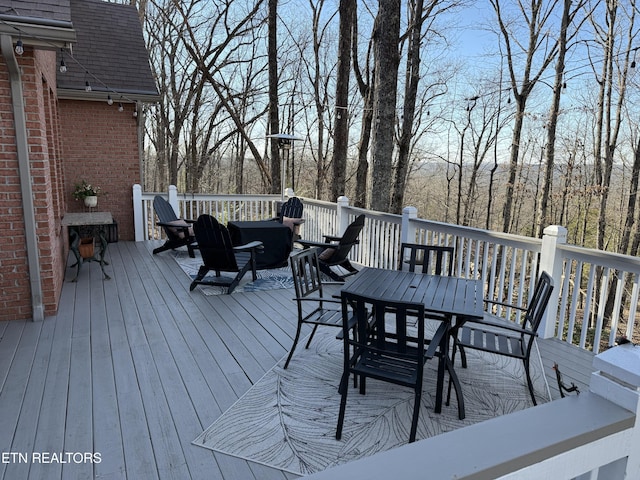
point(276, 238)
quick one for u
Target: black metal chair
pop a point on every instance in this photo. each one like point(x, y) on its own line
point(427, 259)
point(389, 347)
point(308, 286)
point(503, 336)
point(219, 255)
point(335, 250)
point(179, 231)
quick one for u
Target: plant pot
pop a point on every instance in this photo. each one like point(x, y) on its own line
point(86, 247)
point(91, 201)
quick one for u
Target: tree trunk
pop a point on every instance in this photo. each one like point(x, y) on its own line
point(412, 79)
point(547, 184)
point(386, 55)
point(274, 122)
point(362, 171)
point(341, 127)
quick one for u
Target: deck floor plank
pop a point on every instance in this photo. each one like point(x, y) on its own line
point(106, 416)
point(9, 341)
point(52, 418)
point(137, 446)
point(20, 401)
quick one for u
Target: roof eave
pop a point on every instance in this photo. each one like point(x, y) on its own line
point(40, 35)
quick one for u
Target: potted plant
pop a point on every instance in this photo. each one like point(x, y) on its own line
point(86, 192)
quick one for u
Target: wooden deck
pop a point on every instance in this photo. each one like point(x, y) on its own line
point(132, 369)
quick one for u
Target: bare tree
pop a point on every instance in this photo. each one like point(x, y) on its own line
point(364, 81)
point(274, 122)
point(569, 14)
point(420, 23)
point(537, 17)
point(612, 80)
point(386, 36)
point(347, 12)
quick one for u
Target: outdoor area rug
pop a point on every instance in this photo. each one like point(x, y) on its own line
point(271, 279)
point(287, 420)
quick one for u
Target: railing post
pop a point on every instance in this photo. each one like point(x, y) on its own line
point(407, 229)
point(138, 217)
point(341, 215)
point(551, 262)
point(173, 199)
point(617, 379)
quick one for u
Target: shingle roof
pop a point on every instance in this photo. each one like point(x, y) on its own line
point(110, 52)
point(58, 10)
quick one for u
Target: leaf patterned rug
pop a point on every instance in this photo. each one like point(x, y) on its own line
point(271, 279)
point(287, 420)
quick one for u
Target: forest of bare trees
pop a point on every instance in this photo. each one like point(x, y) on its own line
point(497, 114)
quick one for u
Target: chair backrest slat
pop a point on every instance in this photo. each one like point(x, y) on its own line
point(398, 323)
point(215, 244)
point(347, 241)
point(428, 259)
point(292, 208)
point(306, 273)
point(164, 210)
point(537, 305)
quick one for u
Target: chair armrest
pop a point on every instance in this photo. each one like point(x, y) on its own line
point(173, 224)
point(502, 304)
point(333, 238)
point(502, 324)
point(308, 244)
point(436, 340)
point(317, 299)
point(255, 245)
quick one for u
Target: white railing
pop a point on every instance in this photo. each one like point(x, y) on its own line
point(596, 292)
point(224, 207)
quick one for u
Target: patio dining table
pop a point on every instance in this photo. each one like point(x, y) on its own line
point(448, 296)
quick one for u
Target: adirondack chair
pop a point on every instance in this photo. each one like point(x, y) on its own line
point(334, 251)
point(219, 255)
point(291, 215)
point(179, 231)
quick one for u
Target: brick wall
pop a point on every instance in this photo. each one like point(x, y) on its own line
point(101, 146)
point(38, 83)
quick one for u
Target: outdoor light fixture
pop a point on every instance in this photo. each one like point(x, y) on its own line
point(109, 100)
point(120, 107)
point(285, 141)
point(63, 66)
point(87, 87)
point(19, 47)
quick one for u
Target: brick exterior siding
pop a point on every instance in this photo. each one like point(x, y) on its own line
point(67, 141)
point(100, 145)
point(38, 84)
